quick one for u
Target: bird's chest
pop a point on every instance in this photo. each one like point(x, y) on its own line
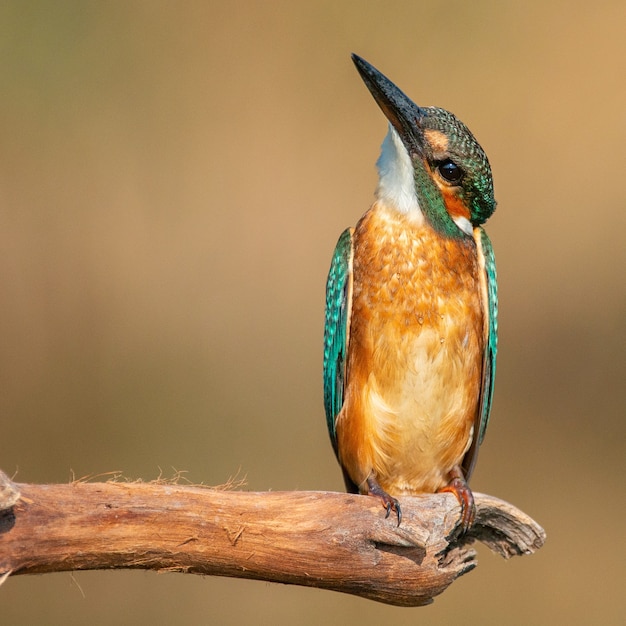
point(413, 289)
point(417, 320)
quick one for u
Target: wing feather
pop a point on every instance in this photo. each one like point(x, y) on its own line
point(490, 291)
point(337, 330)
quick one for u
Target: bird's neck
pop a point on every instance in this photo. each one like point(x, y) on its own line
point(398, 191)
point(396, 182)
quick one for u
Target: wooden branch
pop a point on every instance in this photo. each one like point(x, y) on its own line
point(328, 540)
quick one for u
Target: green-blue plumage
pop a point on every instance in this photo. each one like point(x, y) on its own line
point(492, 339)
point(336, 330)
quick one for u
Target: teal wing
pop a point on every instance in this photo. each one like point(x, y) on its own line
point(337, 330)
point(488, 261)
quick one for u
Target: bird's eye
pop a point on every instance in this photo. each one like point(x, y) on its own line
point(450, 171)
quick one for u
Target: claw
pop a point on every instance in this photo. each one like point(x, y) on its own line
point(390, 504)
point(459, 487)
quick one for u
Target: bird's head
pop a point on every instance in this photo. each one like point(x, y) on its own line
point(431, 166)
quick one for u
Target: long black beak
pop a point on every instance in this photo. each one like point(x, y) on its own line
point(398, 108)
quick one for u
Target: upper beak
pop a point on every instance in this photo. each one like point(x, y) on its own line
point(402, 112)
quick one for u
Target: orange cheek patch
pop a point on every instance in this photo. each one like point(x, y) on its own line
point(454, 205)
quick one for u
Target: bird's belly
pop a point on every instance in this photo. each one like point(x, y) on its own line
point(421, 398)
point(413, 399)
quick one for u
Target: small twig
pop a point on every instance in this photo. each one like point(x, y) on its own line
point(328, 540)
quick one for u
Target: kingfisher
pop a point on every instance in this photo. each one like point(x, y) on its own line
point(410, 335)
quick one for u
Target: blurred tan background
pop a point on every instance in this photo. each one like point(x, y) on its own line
point(173, 179)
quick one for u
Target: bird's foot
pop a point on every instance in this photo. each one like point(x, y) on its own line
point(459, 487)
point(391, 504)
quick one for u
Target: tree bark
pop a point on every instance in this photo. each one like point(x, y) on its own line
point(332, 541)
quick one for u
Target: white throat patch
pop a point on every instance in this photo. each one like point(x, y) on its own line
point(464, 224)
point(396, 185)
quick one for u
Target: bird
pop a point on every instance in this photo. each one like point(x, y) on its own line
point(410, 334)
